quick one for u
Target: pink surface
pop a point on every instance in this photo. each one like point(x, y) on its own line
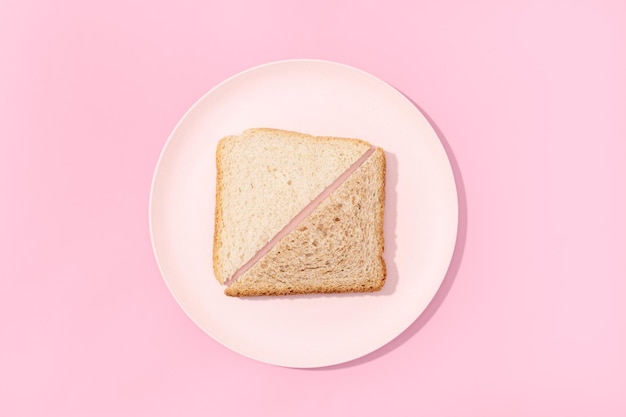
point(529, 97)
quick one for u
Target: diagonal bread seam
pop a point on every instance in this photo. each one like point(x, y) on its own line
point(306, 211)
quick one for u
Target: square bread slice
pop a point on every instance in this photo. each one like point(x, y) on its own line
point(337, 248)
point(265, 177)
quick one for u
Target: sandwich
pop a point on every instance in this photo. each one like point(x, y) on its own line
point(298, 214)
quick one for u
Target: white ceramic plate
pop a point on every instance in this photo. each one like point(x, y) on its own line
point(421, 212)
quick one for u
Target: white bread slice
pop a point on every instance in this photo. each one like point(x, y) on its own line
point(337, 248)
point(265, 177)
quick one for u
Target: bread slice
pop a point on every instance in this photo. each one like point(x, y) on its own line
point(337, 248)
point(265, 177)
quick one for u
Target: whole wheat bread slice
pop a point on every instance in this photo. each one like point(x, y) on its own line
point(265, 177)
point(337, 248)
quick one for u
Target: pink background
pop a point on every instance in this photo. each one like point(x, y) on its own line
point(530, 99)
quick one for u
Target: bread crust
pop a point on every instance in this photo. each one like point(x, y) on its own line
point(217, 235)
point(273, 131)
